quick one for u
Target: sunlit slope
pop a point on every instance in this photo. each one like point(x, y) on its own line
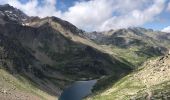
point(151, 80)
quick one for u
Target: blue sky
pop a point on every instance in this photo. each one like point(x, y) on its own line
point(61, 4)
point(101, 15)
point(65, 4)
point(162, 21)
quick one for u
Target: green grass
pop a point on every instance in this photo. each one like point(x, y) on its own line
point(21, 84)
point(130, 87)
point(131, 55)
point(159, 92)
point(120, 90)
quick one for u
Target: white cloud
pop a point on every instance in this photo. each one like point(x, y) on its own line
point(97, 14)
point(89, 15)
point(166, 29)
point(134, 17)
point(33, 8)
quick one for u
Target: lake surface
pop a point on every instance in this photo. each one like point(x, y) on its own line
point(77, 90)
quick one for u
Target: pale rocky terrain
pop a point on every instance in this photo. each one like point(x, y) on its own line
point(155, 72)
point(150, 82)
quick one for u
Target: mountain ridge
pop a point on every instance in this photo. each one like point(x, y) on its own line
point(50, 53)
point(58, 53)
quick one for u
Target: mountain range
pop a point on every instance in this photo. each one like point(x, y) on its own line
point(39, 57)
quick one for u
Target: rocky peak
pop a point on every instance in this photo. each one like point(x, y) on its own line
point(57, 23)
point(12, 13)
point(67, 25)
point(9, 13)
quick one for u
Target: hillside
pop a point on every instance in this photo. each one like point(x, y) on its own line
point(17, 87)
point(49, 54)
point(56, 42)
point(150, 82)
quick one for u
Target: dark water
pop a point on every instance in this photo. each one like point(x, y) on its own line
point(78, 90)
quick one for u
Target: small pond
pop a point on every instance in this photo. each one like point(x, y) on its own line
point(77, 90)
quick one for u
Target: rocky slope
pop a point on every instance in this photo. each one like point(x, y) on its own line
point(57, 43)
point(12, 13)
point(49, 54)
point(150, 82)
